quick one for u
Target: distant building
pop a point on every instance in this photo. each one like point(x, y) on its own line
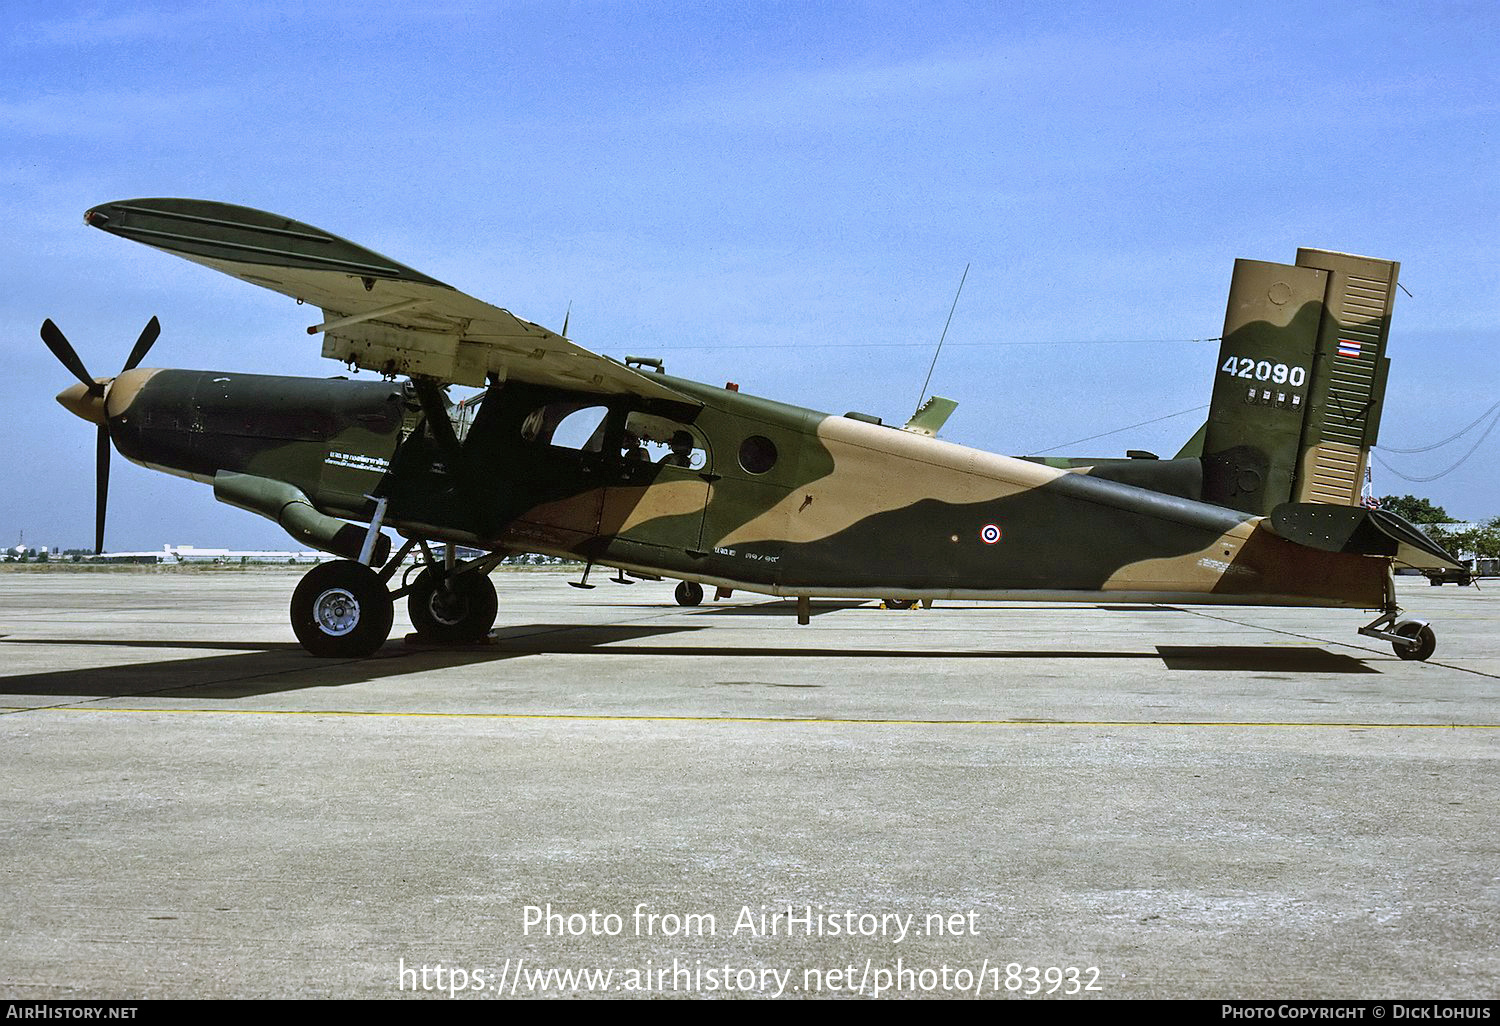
point(180, 554)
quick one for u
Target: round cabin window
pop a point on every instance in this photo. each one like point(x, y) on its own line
point(757, 454)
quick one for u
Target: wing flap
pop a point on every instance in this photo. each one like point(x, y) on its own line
point(378, 314)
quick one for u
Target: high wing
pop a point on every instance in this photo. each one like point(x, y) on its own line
point(378, 314)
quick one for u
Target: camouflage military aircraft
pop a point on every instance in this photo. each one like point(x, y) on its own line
point(569, 453)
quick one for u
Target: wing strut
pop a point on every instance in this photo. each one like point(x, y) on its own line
point(435, 406)
point(368, 315)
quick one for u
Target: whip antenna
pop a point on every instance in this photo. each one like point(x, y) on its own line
point(933, 366)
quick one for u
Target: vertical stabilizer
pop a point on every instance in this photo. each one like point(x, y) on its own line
point(1300, 379)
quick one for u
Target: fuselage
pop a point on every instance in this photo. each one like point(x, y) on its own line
point(723, 488)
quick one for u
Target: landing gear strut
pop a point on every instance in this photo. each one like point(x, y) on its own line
point(1410, 639)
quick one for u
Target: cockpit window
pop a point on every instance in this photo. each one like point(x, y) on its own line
point(567, 426)
point(670, 443)
point(645, 437)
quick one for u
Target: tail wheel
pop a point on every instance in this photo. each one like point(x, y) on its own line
point(342, 610)
point(463, 611)
point(688, 593)
point(895, 603)
point(1421, 633)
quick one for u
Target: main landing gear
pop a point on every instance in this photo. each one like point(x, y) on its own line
point(344, 610)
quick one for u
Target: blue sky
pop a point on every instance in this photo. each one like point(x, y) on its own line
point(784, 195)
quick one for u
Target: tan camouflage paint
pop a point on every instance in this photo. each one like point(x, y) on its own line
point(627, 508)
point(1252, 561)
point(878, 470)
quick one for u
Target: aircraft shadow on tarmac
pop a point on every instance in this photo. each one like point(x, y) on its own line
point(1287, 659)
point(785, 608)
point(247, 669)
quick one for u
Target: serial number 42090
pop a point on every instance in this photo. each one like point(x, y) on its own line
point(1264, 370)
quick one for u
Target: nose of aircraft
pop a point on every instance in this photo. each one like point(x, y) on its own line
point(80, 401)
point(109, 398)
point(100, 400)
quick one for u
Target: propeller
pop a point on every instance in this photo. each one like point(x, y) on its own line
point(142, 345)
point(61, 348)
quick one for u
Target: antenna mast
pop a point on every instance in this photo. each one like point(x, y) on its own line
point(933, 365)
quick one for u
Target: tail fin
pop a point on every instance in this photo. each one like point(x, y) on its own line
point(1300, 383)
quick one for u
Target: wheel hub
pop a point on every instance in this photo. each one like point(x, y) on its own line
point(336, 612)
point(447, 606)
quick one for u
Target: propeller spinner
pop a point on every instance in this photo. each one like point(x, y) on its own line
point(89, 399)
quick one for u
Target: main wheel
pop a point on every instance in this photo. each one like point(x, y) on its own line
point(688, 593)
point(1426, 641)
point(462, 612)
point(341, 610)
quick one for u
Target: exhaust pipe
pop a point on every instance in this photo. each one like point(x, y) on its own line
point(294, 512)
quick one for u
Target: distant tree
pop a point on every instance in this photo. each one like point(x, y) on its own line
point(1431, 517)
point(1483, 541)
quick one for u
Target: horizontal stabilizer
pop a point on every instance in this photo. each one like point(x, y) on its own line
point(1354, 529)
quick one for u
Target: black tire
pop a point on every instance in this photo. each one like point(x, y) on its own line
point(341, 610)
point(900, 603)
point(688, 593)
point(1426, 641)
point(461, 614)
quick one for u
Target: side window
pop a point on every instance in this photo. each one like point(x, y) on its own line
point(757, 454)
point(582, 429)
point(567, 426)
point(669, 443)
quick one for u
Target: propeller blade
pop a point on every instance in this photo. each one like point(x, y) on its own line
point(143, 344)
point(101, 477)
point(58, 343)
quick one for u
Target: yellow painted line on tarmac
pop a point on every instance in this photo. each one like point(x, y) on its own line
point(773, 720)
